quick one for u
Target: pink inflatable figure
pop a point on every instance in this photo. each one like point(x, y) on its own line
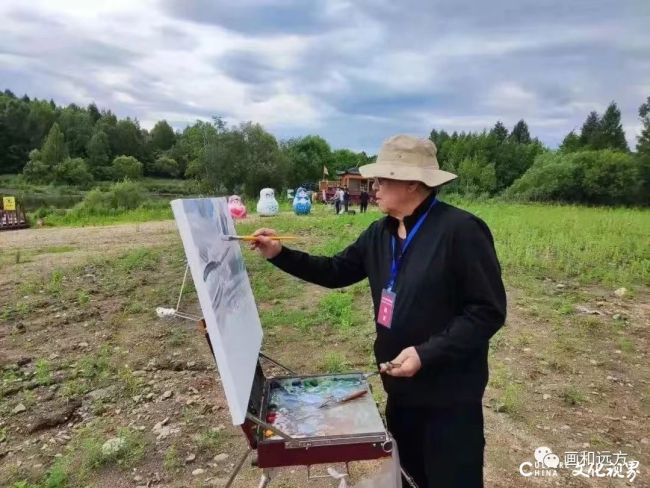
point(236, 207)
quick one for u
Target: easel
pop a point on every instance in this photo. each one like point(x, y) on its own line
point(254, 422)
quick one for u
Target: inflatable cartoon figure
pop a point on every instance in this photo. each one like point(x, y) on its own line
point(301, 202)
point(236, 207)
point(267, 205)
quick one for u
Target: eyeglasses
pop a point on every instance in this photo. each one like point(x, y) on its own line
point(381, 181)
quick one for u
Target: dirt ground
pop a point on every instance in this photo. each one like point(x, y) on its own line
point(84, 358)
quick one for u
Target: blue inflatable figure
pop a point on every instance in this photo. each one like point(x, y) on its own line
point(301, 202)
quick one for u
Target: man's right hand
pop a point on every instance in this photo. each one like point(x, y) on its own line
point(267, 247)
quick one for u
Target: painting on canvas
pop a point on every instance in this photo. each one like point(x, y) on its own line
point(224, 293)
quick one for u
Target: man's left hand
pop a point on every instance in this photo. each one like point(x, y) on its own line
point(408, 361)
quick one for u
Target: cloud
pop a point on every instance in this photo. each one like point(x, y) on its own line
point(253, 18)
point(352, 71)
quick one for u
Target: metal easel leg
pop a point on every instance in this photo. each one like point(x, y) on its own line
point(408, 478)
point(265, 480)
point(237, 468)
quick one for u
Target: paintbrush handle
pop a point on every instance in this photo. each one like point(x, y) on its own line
point(338, 401)
point(273, 238)
point(353, 396)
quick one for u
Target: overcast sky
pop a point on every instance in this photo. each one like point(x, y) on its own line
point(352, 71)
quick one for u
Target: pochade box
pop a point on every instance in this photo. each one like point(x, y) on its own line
point(289, 420)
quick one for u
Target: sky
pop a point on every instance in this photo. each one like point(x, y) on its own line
point(354, 72)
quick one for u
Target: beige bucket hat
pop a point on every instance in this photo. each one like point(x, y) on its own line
point(407, 158)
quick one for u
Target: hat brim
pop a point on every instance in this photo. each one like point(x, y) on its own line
point(400, 171)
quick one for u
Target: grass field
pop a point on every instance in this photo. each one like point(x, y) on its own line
point(569, 370)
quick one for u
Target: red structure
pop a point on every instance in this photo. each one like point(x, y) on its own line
point(351, 179)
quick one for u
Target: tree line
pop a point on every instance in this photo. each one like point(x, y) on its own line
point(592, 166)
point(79, 146)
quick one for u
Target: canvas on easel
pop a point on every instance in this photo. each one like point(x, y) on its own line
point(225, 295)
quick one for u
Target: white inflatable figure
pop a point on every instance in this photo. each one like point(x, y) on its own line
point(267, 205)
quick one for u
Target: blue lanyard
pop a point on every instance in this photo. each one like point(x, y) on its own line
point(396, 263)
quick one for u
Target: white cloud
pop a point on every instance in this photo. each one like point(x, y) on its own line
point(509, 97)
point(361, 69)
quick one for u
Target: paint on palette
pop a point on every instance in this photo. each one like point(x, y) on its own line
point(294, 407)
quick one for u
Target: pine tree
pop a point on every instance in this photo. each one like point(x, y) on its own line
point(611, 134)
point(500, 132)
point(54, 150)
point(520, 133)
point(643, 140)
point(643, 151)
point(590, 130)
point(571, 143)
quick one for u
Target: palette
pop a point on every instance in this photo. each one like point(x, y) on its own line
point(288, 426)
point(296, 406)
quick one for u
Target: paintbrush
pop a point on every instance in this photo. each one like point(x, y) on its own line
point(338, 401)
point(254, 238)
point(389, 365)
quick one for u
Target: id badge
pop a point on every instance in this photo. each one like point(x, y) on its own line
point(386, 305)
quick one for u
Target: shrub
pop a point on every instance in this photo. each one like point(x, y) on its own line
point(126, 167)
point(602, 177)
point(165, 166)
point(72, 171)
point(36, 171)
point(125, 195)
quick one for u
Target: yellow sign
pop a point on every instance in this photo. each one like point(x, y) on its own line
point(9, 203)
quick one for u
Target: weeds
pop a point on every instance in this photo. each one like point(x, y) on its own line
point(211, 441)
point(572, 396)
point(334, 363)
point(336, 308)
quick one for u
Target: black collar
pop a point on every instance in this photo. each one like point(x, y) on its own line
point(410, 220)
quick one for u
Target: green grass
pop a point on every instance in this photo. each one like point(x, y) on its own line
point(281, 315)
point(589, 245)
point(43, 372)
point(82, 219)
point(554, 241)
point(19, 310)
point(96, 367)
point(334, 362)
point(608, 246)
point(626, 345)
point(211, 442)
point(55, 282)
point(139, 259)
point(55, 249)
point(511, 400)
point(336, 309)
point(85, 456)
point(573, 396)
point(83, 298)
point(172, 461)
point(130, 384)
point(577, 246)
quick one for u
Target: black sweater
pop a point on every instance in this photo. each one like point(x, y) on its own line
point(450, 299)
